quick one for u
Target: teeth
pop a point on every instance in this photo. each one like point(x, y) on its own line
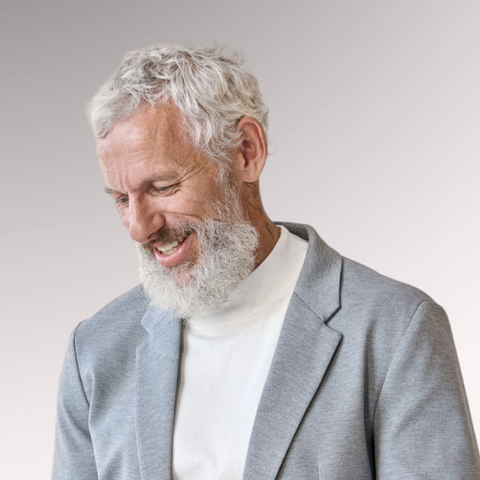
point(169, 252)
point(169, 248)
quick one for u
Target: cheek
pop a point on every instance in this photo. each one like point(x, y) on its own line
point(188, 205)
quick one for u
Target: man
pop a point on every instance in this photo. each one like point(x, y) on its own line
point(252, 349)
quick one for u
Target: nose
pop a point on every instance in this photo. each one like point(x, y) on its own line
point(144, 221)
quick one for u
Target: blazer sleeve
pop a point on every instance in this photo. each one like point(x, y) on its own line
point(422, 424)
point(74, 456)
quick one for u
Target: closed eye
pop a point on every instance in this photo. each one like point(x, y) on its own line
point(121, 201)
point(170, 189)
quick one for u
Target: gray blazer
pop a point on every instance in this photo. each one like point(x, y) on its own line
point(364, 384)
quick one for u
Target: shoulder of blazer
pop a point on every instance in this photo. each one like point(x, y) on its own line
point(111, 336)
point(330, 283)
point(118, 316)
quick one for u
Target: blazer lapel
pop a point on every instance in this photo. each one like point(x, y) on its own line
point(155, 393)
point(303, 354)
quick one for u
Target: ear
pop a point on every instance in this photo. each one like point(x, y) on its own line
point(252, 153)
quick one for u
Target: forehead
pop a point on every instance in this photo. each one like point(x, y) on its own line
point(158, 129)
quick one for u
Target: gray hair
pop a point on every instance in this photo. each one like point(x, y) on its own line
point(210, 86)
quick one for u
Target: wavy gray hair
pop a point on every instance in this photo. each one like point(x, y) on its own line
point(210, 86)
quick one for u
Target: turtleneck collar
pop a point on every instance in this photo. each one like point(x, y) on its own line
point(267, 284)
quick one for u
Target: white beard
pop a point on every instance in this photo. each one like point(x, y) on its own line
point(227, 243)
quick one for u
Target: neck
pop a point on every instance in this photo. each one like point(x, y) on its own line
point(268, 232)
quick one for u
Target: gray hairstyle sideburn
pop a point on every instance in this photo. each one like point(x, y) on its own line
point(210, 86)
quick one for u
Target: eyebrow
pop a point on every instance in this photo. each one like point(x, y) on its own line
point(110, 190)
point(161, 177)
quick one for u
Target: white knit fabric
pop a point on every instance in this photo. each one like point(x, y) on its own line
point(226, 358)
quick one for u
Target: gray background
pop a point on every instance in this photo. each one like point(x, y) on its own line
point(375, 112)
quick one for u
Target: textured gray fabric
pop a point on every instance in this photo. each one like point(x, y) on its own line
point(364, 384)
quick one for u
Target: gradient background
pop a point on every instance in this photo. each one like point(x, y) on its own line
point(375, 115)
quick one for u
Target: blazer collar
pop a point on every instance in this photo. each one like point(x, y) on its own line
point(156, 377)
point(304, 351)
point(319, 282)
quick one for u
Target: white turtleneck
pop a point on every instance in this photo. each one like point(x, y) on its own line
point(226, 358)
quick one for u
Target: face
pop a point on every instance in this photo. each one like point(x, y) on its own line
point(159, 182)
point(195, 242)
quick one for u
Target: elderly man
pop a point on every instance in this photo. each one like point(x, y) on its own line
point(252, 349)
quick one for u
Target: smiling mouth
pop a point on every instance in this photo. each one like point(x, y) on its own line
point(173, 246)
